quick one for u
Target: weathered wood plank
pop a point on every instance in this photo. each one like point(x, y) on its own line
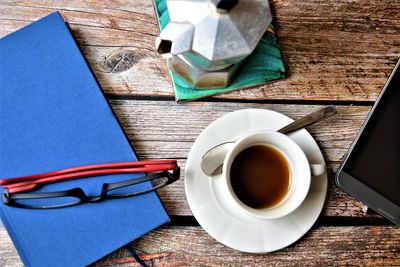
point(183, 246)
point(164, 129)
point(8, 255)
point(336, 50)
point(161, 122)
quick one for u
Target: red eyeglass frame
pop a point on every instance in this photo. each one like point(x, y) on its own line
point(30, 182)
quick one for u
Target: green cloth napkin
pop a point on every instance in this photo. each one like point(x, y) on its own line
point(263, 65)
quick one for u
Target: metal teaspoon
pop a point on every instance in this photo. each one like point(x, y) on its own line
point(212, 160)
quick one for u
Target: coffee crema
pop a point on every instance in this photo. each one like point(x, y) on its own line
point(260, 176)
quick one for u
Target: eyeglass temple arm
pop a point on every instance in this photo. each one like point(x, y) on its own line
point(113, 165)
point(171, 177)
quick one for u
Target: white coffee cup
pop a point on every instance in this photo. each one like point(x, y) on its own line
point(300, 174)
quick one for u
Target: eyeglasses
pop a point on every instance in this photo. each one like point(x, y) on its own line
point(166, 172)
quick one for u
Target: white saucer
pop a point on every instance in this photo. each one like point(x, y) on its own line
point(240, 231)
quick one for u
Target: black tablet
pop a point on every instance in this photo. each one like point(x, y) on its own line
point(371, 170)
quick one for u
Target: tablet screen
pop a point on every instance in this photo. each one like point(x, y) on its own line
point(375, 159)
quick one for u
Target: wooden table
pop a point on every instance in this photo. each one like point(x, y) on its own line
point(337, 52)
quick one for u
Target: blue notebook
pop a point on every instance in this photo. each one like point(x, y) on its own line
point(53, 115)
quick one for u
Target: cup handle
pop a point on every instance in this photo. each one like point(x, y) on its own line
point(317, 169)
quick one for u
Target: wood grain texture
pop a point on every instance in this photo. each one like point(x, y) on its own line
point(184, 246)
point(192, 246)
point(335, 50)
point(8, 255)
point(164, 129)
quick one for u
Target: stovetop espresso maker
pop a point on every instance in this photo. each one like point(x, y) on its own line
point(206, 40)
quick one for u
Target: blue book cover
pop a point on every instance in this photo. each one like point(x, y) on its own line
point(53, 115)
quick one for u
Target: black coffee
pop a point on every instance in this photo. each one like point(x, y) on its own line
point(260, 176)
